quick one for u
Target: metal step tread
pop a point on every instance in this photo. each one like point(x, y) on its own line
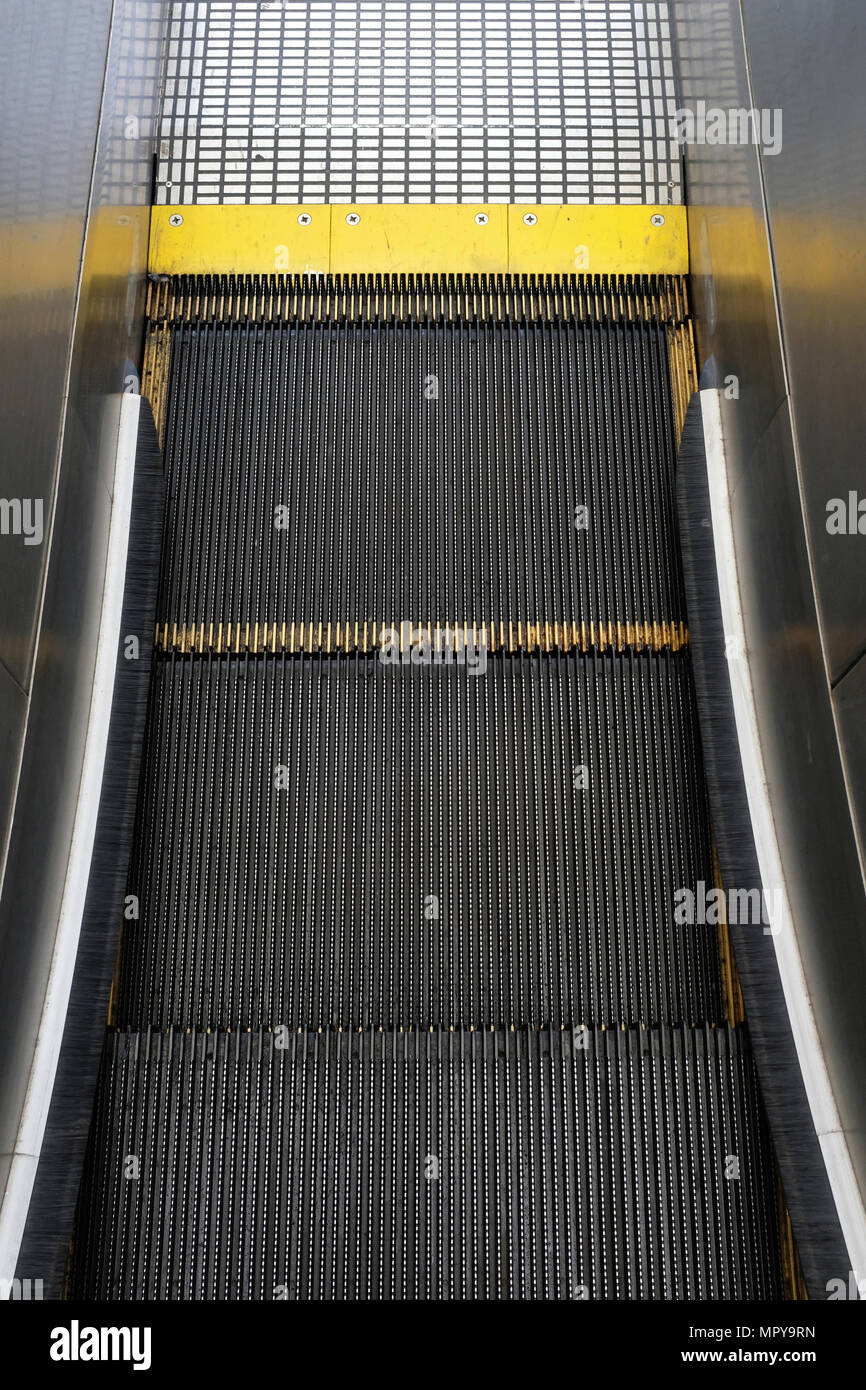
point(583, 1164)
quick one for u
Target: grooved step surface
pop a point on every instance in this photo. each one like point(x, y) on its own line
point(432, 471)
point(585, 1164)
point(330, 840)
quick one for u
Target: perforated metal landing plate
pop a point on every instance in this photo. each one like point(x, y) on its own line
point(435, 101)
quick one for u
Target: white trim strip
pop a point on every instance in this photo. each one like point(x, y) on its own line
point(31, 1129)
point(828, 1125)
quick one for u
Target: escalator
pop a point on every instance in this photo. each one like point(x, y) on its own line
point(432, 832)
point(404, 1007)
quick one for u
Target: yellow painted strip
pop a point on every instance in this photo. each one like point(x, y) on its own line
point(265, 239)
point(597, 239)
point(419, 239)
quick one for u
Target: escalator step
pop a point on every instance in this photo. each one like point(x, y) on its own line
point(361, 470)
point(582, 1164)
point(332, 841)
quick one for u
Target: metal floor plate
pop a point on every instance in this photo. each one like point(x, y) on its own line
point(383, 101)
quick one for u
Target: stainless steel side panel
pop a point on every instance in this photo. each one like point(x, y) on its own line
point(80, 86)
point(775, 240)
point(53, 68)
point(809, 60)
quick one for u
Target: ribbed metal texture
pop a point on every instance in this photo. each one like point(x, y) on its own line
point(522, 471)
point(329, 840)
point(424, 298)
point(585, 1164)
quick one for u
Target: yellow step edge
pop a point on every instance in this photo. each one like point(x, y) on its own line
point(418, 239)
point(320, 637)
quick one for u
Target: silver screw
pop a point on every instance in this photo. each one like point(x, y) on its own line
point(175, 220)
point(657, 220)
point(530, 219)
point(353, 218)
point(482, 219)
point(304, 219)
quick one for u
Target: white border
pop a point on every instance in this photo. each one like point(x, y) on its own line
point(828, 1124)
point(31, 1128)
